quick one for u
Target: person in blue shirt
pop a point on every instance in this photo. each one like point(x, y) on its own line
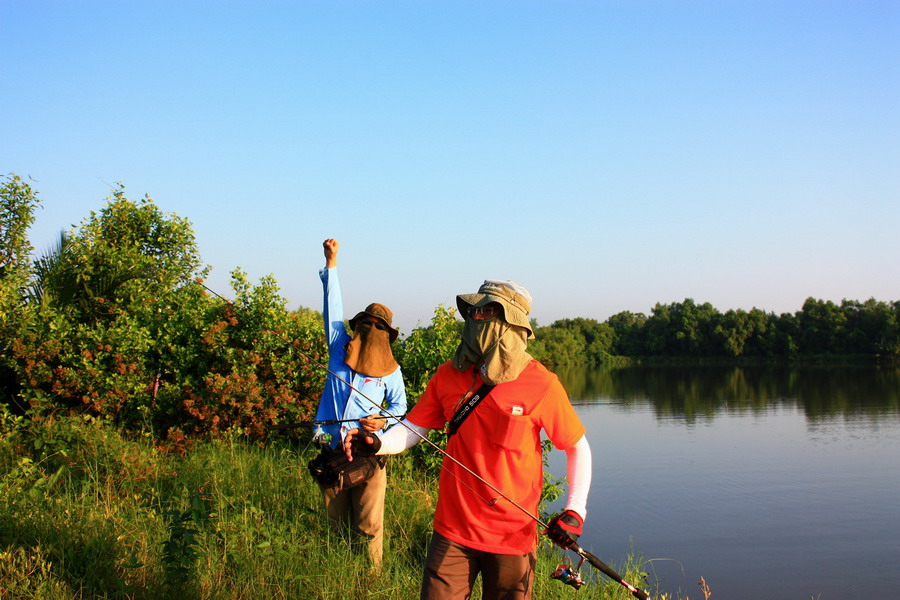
point(364, 385)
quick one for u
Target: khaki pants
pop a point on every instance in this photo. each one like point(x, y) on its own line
point(451, 570)
point(362, 508)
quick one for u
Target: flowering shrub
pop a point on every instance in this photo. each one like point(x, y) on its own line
point(118, 325)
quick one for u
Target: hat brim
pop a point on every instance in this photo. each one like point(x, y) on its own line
point(393, 333)
point(511, 314)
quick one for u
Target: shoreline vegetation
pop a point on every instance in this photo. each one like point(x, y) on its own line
point(87, 513)
point(136, 411)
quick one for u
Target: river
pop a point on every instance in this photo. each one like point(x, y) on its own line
point(770, 483)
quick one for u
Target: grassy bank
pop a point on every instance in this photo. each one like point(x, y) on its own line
point(85, 513)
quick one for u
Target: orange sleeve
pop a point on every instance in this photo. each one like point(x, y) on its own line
point(558, 418)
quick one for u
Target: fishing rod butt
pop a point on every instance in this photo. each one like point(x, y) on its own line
point(609, 572)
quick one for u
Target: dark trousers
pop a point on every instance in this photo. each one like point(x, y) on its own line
point(451, 570)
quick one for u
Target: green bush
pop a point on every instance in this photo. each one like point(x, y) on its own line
point(116, 326)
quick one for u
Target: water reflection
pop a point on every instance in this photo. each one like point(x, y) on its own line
point(700, 393)
point(791, 472)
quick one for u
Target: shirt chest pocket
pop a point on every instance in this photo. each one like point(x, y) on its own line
point(368, 391)
point(512, 428)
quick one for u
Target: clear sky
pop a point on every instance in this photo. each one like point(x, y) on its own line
point(606, 155)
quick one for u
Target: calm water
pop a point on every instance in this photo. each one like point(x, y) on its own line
point(770, 483)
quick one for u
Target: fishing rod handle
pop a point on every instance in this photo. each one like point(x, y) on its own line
point(609, 572)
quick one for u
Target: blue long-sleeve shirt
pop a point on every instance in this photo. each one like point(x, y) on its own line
point(369, 395)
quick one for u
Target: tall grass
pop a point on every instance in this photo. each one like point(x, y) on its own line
point(86, 513)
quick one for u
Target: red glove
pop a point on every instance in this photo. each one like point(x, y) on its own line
point(565, 528)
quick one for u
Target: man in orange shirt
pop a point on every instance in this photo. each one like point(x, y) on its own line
point(477, 530)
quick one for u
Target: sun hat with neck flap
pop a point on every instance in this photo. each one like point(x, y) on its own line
point(379, 311)
point(515, 300)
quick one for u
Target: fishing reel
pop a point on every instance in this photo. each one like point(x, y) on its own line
point(569, 576)
point(322, 440)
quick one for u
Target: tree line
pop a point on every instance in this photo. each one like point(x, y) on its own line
point(689, 330)
point(113, 321)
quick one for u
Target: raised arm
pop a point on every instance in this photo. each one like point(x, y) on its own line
point(333, 305)
point(330, 246)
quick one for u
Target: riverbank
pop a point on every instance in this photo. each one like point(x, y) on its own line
point(87, 513)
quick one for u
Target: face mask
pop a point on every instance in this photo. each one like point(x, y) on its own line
point(369, 351)
point(495, 348)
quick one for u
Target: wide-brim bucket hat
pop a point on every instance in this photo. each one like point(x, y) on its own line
point(515, 300)
point(379, 311)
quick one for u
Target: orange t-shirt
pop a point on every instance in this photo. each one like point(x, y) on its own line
point(500, 441)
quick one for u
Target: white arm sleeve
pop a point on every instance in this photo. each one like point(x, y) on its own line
point(578, 472)
point(399, 438)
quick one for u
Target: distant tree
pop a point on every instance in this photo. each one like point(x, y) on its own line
point(557, 346)
point(682, 329)
point(890, 343)
point(735, 330)
point(594, 341)
point(786, 335)
point(658, 332)
point(698, 323)
point(761, 341)
point(628, 332)
point(822, 327)
point(871, 327)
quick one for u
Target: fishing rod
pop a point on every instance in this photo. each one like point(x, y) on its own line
point(311, 423)
point(566, 575)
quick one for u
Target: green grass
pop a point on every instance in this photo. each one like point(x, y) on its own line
point(86, 513)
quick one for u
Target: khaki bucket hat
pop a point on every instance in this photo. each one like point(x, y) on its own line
point(515, 300)
point(379, 311)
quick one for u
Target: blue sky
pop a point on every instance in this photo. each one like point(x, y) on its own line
point(606, 155)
